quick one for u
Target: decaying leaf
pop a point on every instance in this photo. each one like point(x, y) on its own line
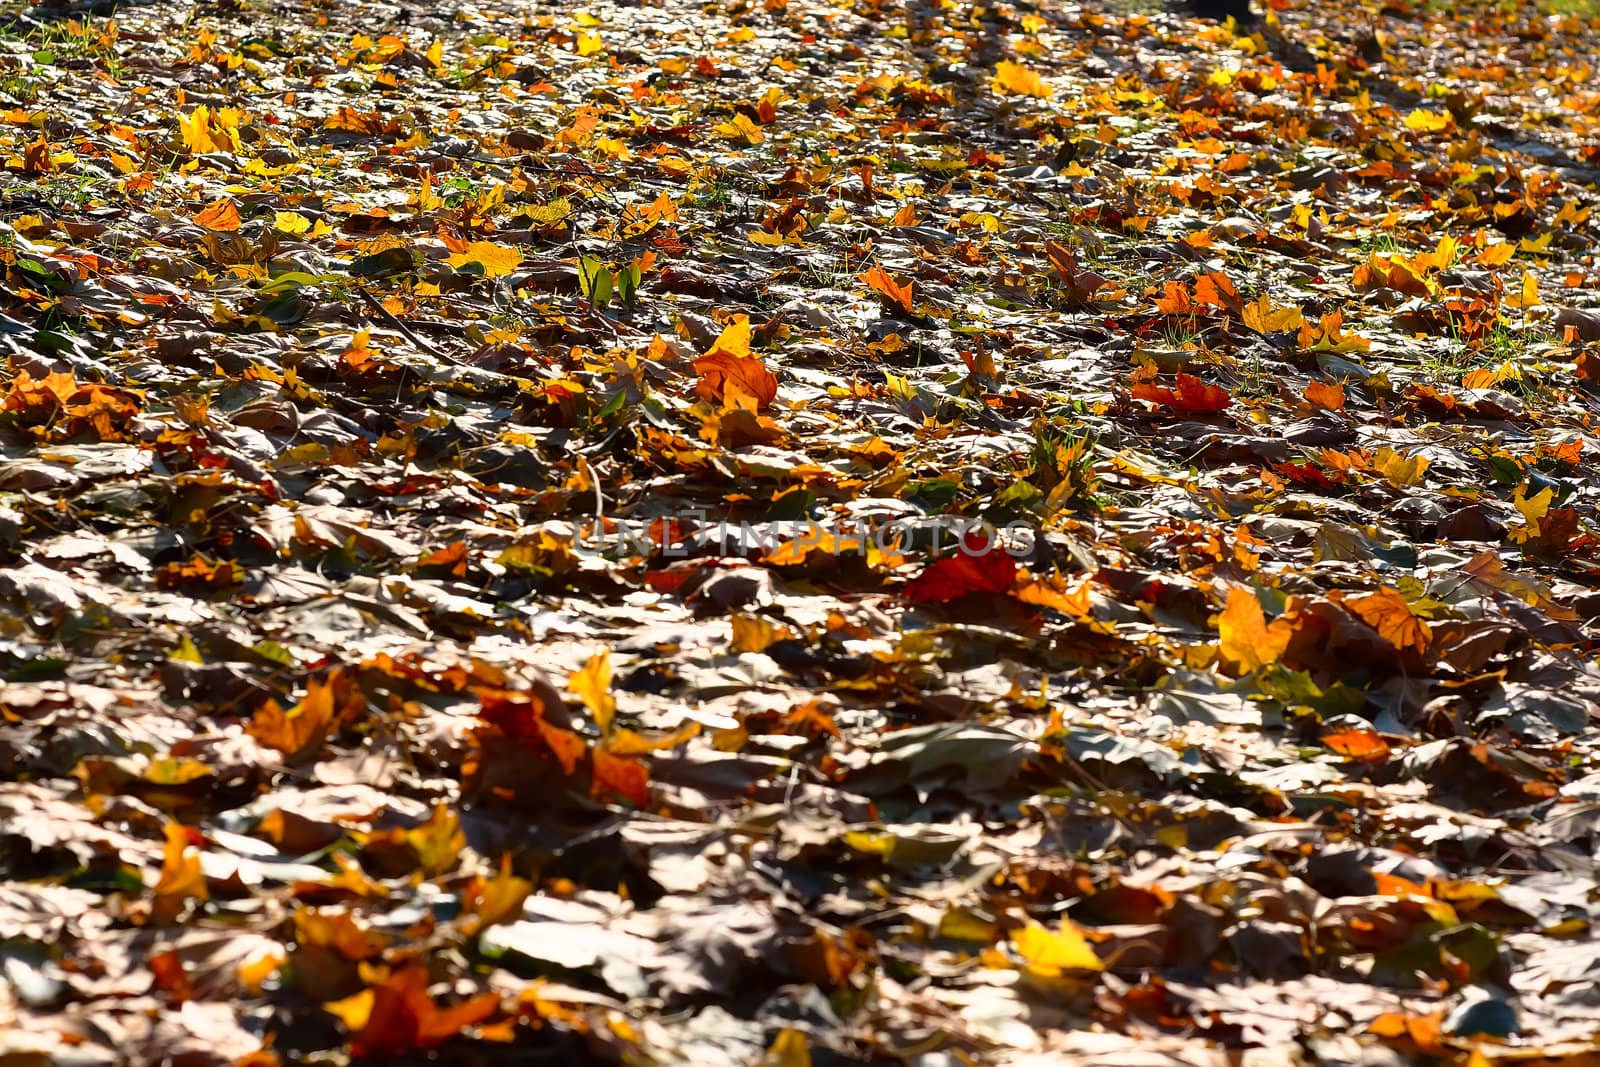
point(1155, 620)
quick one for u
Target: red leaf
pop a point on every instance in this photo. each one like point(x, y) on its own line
point(625, 777)
point(565, 745)
point(404, 1018)
point(954, 577)
point(1192, 397)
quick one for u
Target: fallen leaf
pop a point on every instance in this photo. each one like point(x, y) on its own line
point(1017, 79)
point(221, 215)
point(896, 294)
point(1052, 953)
point(397, 1016)
point(1247, 641)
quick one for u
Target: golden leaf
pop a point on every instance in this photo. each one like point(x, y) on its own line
point(789, 1049)
point(1015, 78)
point(1399, 471)
point(592, 683)
point(1247, 640)
point(1429, 121)
point(1262, 316)
point(181, 878)
point(1049, 953)
point(1533, 508)
point(438, 842)
point(498, 899)
point(740, 128)
point(496, 260)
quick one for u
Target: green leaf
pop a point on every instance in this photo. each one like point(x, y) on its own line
point(290, 280)
point(628, 279)
point(595, 280)
point(389, 262)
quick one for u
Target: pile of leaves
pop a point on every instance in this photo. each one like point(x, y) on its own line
point(802, 533)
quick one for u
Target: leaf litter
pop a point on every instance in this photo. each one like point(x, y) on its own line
point(798, 534)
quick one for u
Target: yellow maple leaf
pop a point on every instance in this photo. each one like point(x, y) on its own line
point(592, 683)
point(740, 128)
point(1246, 639)
point(1497, 254)
point(1264, 317)
point(291, 222)
point(1527, 295)
point(1429, 121)
point(204, 130)
point(1015, 78)
point(498, 899)
point(789, 1049)
point(588, 44)
point(1399, 471)
point(496, 260)
point(1049, 953)
point(438, 842)
point(734, 340)
point(1533, 509)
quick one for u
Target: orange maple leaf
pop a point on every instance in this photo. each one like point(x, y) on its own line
point(1387, 612)
point(220, 214)
point(730, 370)
point(1175, 299)
point(1325, 395)
point(302, 729)
point(181, 878)
point(627, 778)
point(896, 294)
point(1363, 746)
point(39, 399)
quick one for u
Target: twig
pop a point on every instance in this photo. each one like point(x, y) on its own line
point(388, 316)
